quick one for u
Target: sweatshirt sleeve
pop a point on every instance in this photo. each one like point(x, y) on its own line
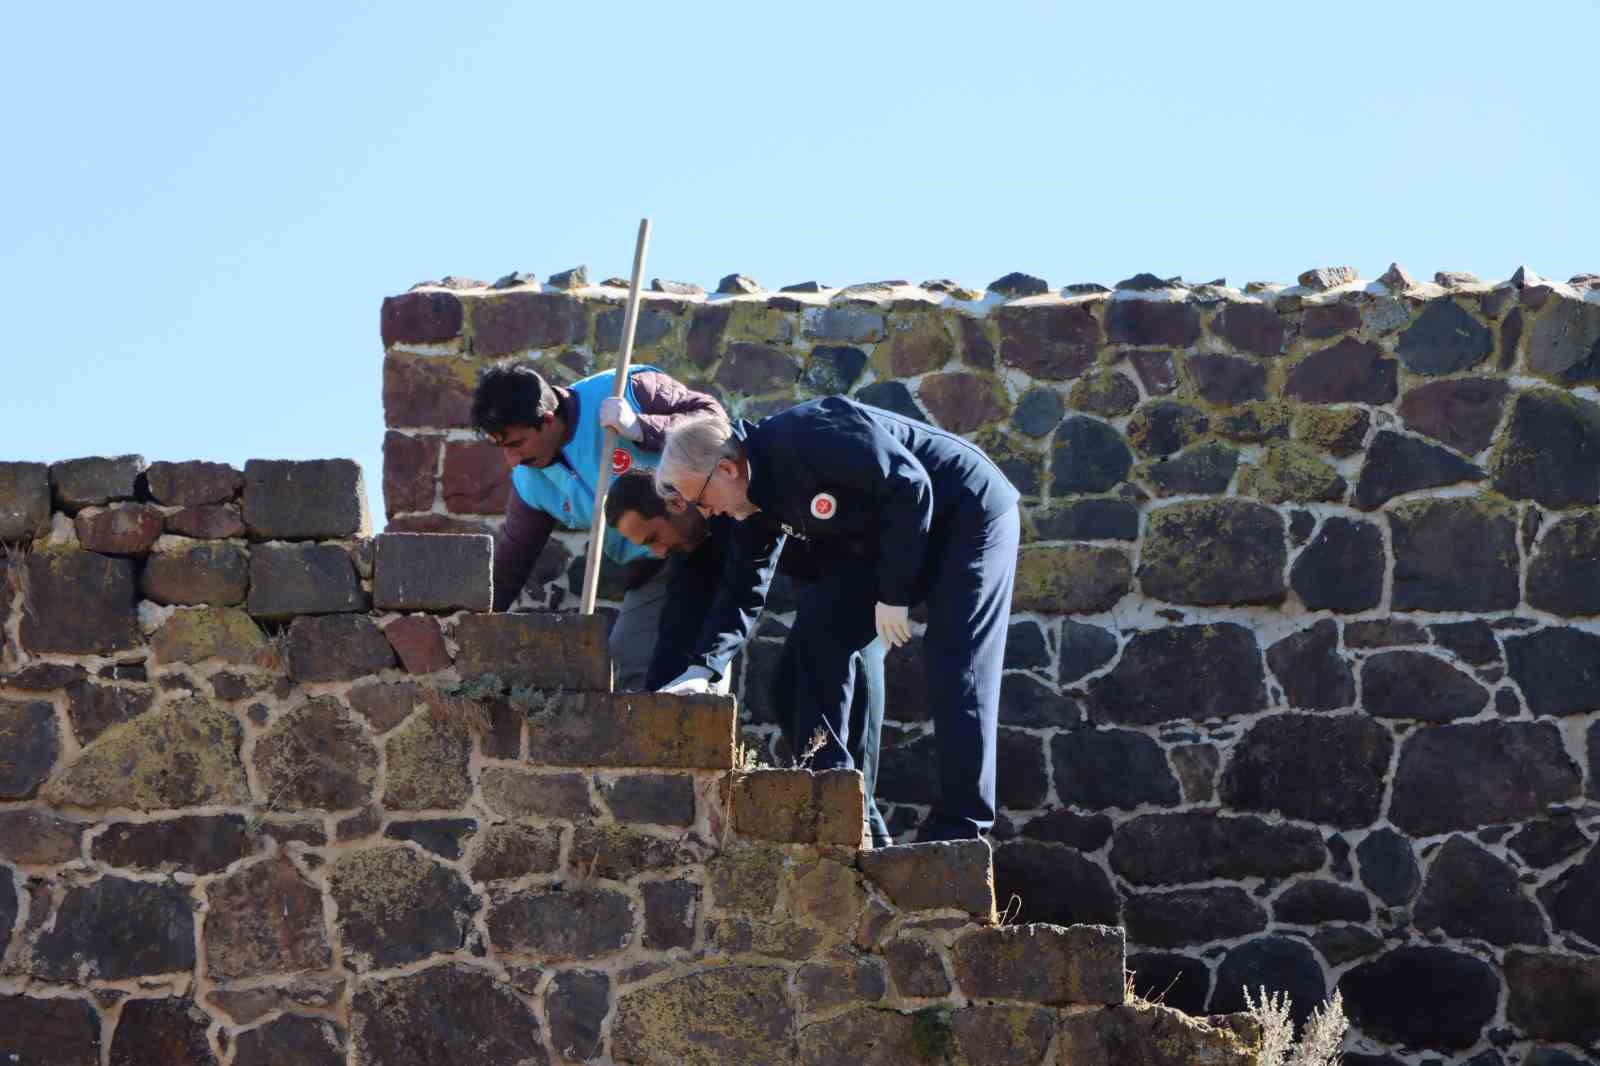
point(664, 402)
point(746, 578)
point(516, 549)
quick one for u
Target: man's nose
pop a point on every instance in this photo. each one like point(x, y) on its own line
point(510, 455)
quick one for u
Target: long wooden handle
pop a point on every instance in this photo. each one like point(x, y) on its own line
point(602, 480)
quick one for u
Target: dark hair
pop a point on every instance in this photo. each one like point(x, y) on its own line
point(634, 491)
point(510, 394)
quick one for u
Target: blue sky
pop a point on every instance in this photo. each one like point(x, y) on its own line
point(202, 206)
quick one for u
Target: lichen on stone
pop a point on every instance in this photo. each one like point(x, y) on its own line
point(1292, 473)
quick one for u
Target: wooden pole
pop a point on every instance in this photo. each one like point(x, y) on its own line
point(602, 481)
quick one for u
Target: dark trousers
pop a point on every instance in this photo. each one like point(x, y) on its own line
point(968, 575)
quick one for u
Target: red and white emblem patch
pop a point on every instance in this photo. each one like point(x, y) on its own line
point(621, 460)
point(823, 505)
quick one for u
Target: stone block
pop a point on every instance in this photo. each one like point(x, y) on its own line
point(916, 877)
point(195, 634)
point(1205, 469)
point(59, 1031)
point(1088, 456)
point(1550, 450)
point(158, 1032)
point(1152, 323)
point(1564, 578)
point(634, 729)
point(292, 1038)
point(24, 501)
point(1349, 371)
point(1182, 673)
point(1422, 996)
point(1214, 552)
point(799, 806)
point(1444, 339)
point(433, 572)
point(475, 479)
point(427, 764)
point(1308, 666)
point(124, 529)
point(442, 836)
point(1418, 686)
point(1397, 464)
point(1227, 380)
point(313, 500)
point(1047, 964)
point(419, 642)
point(79, 603)
point(1480, 773)
point(317, 757)
point(515, 321)
point(397, 906)
point(1190, 846)
point(1192, 916)
point(1052, 342)
point(1318, 768)
point(199, 844)
point(337, 647)
point(193, 483)
point(1100, 768)
point(95, 481)
point(1472, 894)
point(560, 923)
point(671, 910)
point(426, 391)
point(207, 521)
point(425, 317)
point(197, 574)
point(39, 838)
point(1342, 569)
point(543, 650)
point(513, 793)
point(840, 979)
point(1254, 328)
point(656, 799)
point(466, 1006)
point(1454, 555)
point(89, 939)
point(576, 1004)
point(30, 743)
point(1460, 412)
point(1558, 669)
point(185, 754)
point(1071, 579)
point(1162, 427)
point(1554, 997)
point(409, 472)
point(93, 708)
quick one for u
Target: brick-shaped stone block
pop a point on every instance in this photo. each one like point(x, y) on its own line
point(799, 806)
point(409, 465)
point(288, 500)
point(24, 500)
point(95, 480)
point(433, 572)
point(511, 322)
point(30, 743)
point(65, 1029)
point(226, 633)
point(475, 478)
point(199, 573)
point(635, 729)
point(193, 483)
point(126, 529)
point(39, 838)
point(79, 603)
point(918, 877)
point(419, 642)
point(207, 521)
point(425, 390)
point(427, 317)
point(1053, 965)
point(295, 579)
point(544, 650)
point(337, 647)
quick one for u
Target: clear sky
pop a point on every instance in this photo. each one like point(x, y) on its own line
point(203, 205)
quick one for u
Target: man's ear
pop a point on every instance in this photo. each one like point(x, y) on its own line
point(675, 504)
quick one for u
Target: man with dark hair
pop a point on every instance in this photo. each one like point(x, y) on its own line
point(698, 548)
point(551, 438)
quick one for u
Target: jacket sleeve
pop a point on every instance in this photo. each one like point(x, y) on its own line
point(516, 548)
point(746, 577)
point(664, 402)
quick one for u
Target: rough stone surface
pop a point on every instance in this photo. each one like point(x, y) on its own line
point(419, 643)
point(1039, 881)
point(292, 579)
point(671, 909)
point(1073, 579)
point(200, 844)
point(1548, 841)
point(1026, 701)
point(799, 806)
point(660, 799)
point(551, 651)
point(1174, 849)
point(24, 500)
point(1227, 380)
point(1471, 894)
point(1460, 412)
point(1554, 997)
point(1569, 900)
point(1397, 464)
point(730, 1014)
point(337, 647)
point(1292, 473)
point(634, 729)
point(1253, 328)
point(1105, 393)
point(1276, 962)
point(1319, 902)
point(1563, 338)
point(962, 401)
point(317, 757)
point(1308, 666)
point(1423, 996)
point(1340, 431)
point(442, 836)
point(1088, 456)
point(193, 635)
point(1564, 577)
point(30, 744)
point(1558, 669)
point(1182, 672)
point(215, 574)
point(1100, 768)
point(508, 852)
point(79, 603)
point(1389, 866)
point(1444, 339)
point(322, 498)
point(1152, 1035)
point(39, 838)
point(1152, 323)
point(265, 918)
point(113, 929)
point(124, 529)
point(1162, 427)
point(1349, 371)
point(1051, 343)
point(1192, 916)
point(1467, 775)
point(916, 877)
point(1044, 964)
point(1342, 568)
point(1206, 469)
point(1418, 686)
point(1311, 767)
point(59, 1031)
point(465, 1007)
point(1209, 552)
point(396, 906)
point(557, 924)
point(161, 1032)
point(292, 1038)
point(1454, 555)
point(95, 481)
point(1550, 450)
point(183, 755)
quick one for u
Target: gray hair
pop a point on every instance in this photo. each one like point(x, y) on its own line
point(692, 450)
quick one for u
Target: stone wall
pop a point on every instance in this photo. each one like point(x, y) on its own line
point(1305, 672)
point(273, 791)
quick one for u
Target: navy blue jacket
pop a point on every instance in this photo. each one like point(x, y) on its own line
point(856, 481)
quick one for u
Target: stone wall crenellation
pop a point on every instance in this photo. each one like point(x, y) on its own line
point(1302, 680)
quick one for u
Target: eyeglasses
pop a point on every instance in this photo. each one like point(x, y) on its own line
point(706, 484)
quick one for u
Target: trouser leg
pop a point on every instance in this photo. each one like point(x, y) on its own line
point(815, 684)
point(691, 588)
point(633, 637)
point(866, 732)
point(969, 609)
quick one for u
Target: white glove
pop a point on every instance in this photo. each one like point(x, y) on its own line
point(616, 414)
point(695, 679)
point(894, 624)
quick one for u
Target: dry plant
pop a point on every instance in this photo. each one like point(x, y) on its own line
point(1319, 1040)
point(14, 571)
point(818, 741)
point(459, 711)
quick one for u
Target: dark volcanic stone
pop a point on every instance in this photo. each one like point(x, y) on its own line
point(1550, 450)
point(1473, 641)
point(80, 603)
point(1081, 832)
point(1258, 423)
point(1205, 469)
point(1340, 944)
point(1026, 648)
point(30, 743)
point(649, 329)
point(1175, 849)
point(202, 844)
point(1443, 340)
point(1054, 883)
point(1191, 916)
point(430, 572)
point(24, 500)
point(60, 1031)
point(317, 757)
point(962, 402)
point(1254, 328)
point(706, 325)
point(1317, 902)
point(420, 318)
point(1038, 412)
point(1084, 649)
point(756, 368)
point(1553, 997)
point(95, 481)
point(1276, 963)
point(286, 500)
point(1350, 371)
point(1017, 284)
point(1028, 702)
point(1464, 776)
point(192, 483)
point(575, 923)
point(1564, 577)
point(1308, 666)
point(1342, 568)
point(1105, 393)
point(1422, 996)
point(113, 929)
point(39, 838)
point(397, 906)
point(442, 836)
point(291, 579)
point(915, 967)
point(1419, 686)
point(161, 1032)
point(1156, 371)
point(1564, 338)
point(670, 910)
point(1397, 464)
point(1152, 323)
point(1175, 981)
point(212, 521)
point(1162, 427)
point(292, 1040)
point(1088, 456)
point(1052, 343)
point(1389, 866)
point(1025, 788)
point(465, 1007)
point(125, 529)
point(1097, 519)
point(1321, 321)
point(1181, 673)
point(1547, 841)
point(659, 799)
point(1471, 894)
point(1461, 412)
point(216, 574)
point(337, 647)
point(1208, 552)
point(1097, 768)
point(1311, 767)
point(1594, 760)
point(891, 396)
point(1383, 633)
point(1570, 899)
point(1454, 555)
point(1227, 380)
point(265, 918)
point(833, 369)
point(576, 1004)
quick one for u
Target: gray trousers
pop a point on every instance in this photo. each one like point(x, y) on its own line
point(637, 629)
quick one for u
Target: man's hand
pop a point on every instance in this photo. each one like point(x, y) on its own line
point(894, 624)
point(695, 679)
point(616, 414)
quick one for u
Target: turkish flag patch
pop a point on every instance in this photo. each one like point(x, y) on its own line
point(621, 461)
point(823, 505)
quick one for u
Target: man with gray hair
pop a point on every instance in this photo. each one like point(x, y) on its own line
point(905, 514)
